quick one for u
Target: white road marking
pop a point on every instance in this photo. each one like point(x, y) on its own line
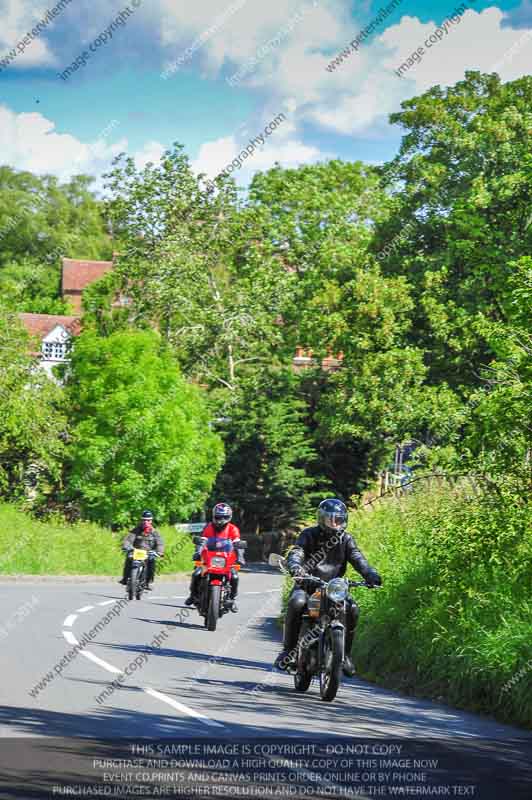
point(101, 662)
point(69, 636)
point(184, 709)
point(71, 639)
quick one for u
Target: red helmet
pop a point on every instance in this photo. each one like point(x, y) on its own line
point(221, 515)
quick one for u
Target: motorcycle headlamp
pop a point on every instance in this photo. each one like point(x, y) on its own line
point(218, 561)
point(337, 590)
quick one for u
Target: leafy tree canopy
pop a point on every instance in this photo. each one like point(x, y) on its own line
point(141, 434)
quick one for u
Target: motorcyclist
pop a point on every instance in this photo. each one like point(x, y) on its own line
point(221, 527)
point(323, 551)
point(143, 537)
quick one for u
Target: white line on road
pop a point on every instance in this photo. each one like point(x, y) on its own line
point(85, 608)
point(101, 662)
point(69, 636)
point(69, 621)
point(184, 709)
point(107, 602)
point(71, 639)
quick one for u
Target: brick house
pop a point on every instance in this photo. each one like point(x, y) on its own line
point(77, 275)
point(53, 333)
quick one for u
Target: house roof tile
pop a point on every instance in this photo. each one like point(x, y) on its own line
point(77, 274)
point(41, 324)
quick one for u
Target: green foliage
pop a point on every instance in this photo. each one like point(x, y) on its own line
point(198, 267)
point(268, 453)
point(42, 221)
point(453, 617)
point(140, 433)
point(32, 419)
point(461, 186)
point(53, 547)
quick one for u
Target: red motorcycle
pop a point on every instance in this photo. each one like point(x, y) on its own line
point(218, 557)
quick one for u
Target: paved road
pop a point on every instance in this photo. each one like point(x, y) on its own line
point(185, 683)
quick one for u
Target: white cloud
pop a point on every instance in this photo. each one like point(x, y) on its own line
point(29, 141)
point(18, 18)
point(365, 89)
point(151, 151)
point(360, 94)
point(214, 156)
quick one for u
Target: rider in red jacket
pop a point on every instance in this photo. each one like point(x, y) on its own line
point(221, 527)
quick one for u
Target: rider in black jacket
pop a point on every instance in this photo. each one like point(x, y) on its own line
point(323, 551)
point(143, 537)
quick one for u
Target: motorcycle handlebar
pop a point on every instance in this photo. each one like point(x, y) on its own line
point(320, 582)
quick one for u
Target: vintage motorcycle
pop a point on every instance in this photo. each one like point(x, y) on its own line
point(320, 648)
point(137, 577)
point(218, 557)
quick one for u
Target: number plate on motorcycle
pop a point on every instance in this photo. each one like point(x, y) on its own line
point(139, 555)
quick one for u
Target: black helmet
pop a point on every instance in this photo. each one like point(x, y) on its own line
point(221, 515)
point(332, 516)
point(147, 515)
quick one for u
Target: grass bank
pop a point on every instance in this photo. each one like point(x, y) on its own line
point(454, 618)
point(32, 547)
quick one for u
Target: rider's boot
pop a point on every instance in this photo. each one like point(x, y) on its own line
point(349, 667)
point(286, 659)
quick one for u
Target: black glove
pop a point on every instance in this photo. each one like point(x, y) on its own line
point(372, 577)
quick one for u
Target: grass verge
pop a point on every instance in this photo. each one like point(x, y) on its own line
point(32, 547)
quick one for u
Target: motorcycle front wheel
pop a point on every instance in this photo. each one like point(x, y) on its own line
point(140, 583)
point(331, 667)
point(214, 607)
point(132, 583)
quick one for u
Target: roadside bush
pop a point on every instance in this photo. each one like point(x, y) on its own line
point(453, 619)
point(32, 547)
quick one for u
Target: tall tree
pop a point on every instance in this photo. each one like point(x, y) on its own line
point(41, 221)
point(32, 418)
point(140, 432)
point(195, 263)
point(267, 475)
point(460, 215)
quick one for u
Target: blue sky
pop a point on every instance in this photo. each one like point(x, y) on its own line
point(120, 100)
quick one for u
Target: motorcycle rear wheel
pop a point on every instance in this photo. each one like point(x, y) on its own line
point(331, 668)
point(213, 611)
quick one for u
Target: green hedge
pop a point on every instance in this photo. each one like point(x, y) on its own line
point(454, 617)
point(29, 546)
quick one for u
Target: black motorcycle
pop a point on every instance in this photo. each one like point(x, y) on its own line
point(320, 648)
point(136, 582)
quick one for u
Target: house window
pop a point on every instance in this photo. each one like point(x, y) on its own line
point(55, 351)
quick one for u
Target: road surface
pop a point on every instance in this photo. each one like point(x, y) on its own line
point(59, 709)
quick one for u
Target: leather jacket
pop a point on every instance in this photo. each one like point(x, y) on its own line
point(144, 541)
point(321, 556)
